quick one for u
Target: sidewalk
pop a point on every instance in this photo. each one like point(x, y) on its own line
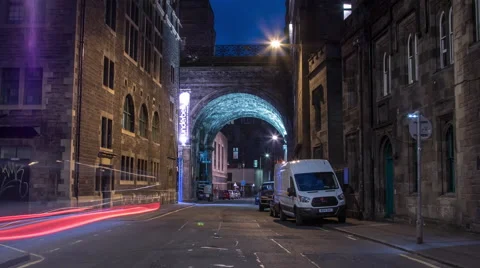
point(451, 247)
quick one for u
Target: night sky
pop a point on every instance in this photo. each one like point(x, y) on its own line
point(248, 21)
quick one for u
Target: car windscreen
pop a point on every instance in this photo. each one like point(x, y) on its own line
point(316, 181)
point(267, 187)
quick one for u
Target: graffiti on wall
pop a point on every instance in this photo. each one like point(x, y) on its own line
point(14, 181)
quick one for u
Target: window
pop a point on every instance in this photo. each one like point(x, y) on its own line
point(146, 61)
point(450, 159)
point(19, 13)
point(235, 153)
point(8, 152)
point(111, 13)
point(10, 86)
point(33, 86)
point(128, 122)
point(476, 14)
point(450, 30)
point(412, 59)
point(221, 157)
point(106, 133)
point(142, 170)
point(386, 75)
point(158, 47)
point(215, 155)
point(16, 12)
point(347, 10)
point(172, 110)
point(156, 128)
point(172, 74)
point(127, 168)
point(131, 29)
point(108, 72)
point(443, 41)
point(11, 90)
point(143, 121)
point(155, 171)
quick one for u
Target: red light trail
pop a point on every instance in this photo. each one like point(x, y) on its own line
point(73, 221)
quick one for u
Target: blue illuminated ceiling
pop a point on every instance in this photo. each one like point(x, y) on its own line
point(218, 112)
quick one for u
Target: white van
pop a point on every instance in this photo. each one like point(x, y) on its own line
point(308, 189)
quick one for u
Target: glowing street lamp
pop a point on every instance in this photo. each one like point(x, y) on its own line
point(275, 43)
point(274, 137)
point(267, 155)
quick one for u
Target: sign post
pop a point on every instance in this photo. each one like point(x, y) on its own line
point(420, 129)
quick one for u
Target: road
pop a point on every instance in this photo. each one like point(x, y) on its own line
point(221, 234)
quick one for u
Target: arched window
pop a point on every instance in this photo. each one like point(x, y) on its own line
point(128, 122)
point(450, 159)
point(443, 41)
point(412, 58)
point(143, 121)
point(386, 74)
point(156, 128)
point(476, 14)
point(450, 30)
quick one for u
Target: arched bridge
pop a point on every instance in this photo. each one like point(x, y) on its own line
point(238, 81)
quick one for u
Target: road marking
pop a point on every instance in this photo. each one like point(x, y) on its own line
point(95, 235)
point(280, 246)
point(179, 229)
point(258, 260)
point(351, 237)
point(76, 242)
point(236, 243)
point(166, 214)
point(419, 261)
point(219, 227)
point(258, 225)
point(108, 231)
point(215, 248)
point(190, 250)
point(53, 250)
point(223, 265)
point(312, 262)
point(40, 258)
point(323, 229)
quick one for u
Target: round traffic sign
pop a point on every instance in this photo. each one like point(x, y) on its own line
point(425, 128)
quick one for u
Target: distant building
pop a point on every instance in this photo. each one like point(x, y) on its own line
point(220, 162)
point(88, 98)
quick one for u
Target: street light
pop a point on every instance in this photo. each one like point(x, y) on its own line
point(274, 137)
point(275, 43)
point(267, 155)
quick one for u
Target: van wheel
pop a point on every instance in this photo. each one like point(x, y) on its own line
point(275, 213)
point(261, 208)
point(342, 219)
point(298, 218)
point(271, 212)
point(283, 217)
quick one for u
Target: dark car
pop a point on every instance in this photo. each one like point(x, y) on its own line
point(266, 195)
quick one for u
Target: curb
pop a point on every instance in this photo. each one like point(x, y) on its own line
point(398, 247)
point(15, 261)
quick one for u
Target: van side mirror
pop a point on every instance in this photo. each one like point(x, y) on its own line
point(291, 191)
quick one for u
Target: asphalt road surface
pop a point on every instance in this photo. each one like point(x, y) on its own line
point(221, 234)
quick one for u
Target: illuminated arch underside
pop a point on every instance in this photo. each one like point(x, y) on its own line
point(218, 112)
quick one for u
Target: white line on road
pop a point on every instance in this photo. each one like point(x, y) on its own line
point(280, 246)
point(258, 260)
point(223, 265)
point(419, 261)
point(215, 248)
point(53, 250)
point(258, 225)
point(166, 214)
point(312, 262)
point(236, 243)
point(108, 231)
point(76, 242)
point(40, 258)
point(179, 229)
point(323, 229)
point(95, 235)
point(351, 237)
point(219, 227)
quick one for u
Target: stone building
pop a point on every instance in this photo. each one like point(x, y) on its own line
point(220, 162)
point(317, 81)
point(198, 28)
point(88, 97)
point(400, 57)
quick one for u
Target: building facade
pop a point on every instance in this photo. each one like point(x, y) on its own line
point(88, 98)
point(400, 57)
point(220, 162)
point(316, 68)
point(198, 30)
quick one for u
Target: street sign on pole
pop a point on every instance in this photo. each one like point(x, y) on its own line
point(425, 128)
point(243, 183)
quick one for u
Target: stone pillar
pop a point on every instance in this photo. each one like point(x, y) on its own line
point(187, 182)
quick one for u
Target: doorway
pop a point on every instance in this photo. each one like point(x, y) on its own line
point(389, 177)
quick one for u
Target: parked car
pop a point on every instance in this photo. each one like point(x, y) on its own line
point(257, 199)
point(237, 194)
point(266, 194)
point(224, 195)
point(231, 194)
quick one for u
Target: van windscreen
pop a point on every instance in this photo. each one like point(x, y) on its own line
point(316, 181)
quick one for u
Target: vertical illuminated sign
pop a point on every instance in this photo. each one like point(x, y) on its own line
point(184, 101)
